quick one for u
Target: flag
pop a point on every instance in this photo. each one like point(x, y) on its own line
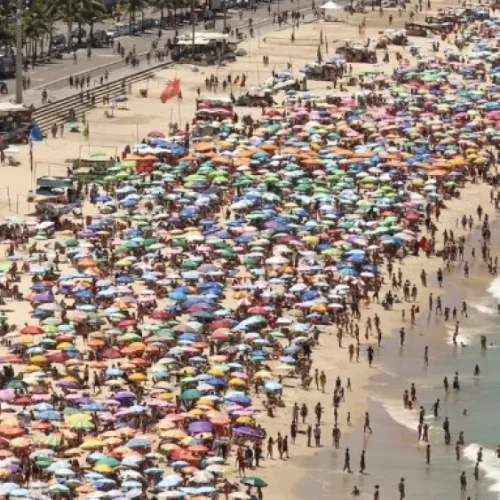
point(31, 154)
point(36, 134)
point(172, 89)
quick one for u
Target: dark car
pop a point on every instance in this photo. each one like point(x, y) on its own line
point(59, 40)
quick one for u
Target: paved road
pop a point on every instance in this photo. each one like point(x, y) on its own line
point(54, 76)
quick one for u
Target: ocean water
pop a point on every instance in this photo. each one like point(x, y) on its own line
point(478, 396)
point(393, 450)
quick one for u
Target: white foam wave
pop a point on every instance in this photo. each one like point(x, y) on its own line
point(406, 418)
point(490, 465)
point(494, 288)
point(463, 336)
point(484, 309)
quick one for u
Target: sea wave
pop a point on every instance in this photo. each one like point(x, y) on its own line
point(406, 418)
point(490, 465)
point(494, 288)
point(484, 309)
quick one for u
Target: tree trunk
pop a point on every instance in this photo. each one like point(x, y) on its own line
point(161, 17)
point(70, 29)
point(51, 34)
point(79, 33)
point(91, 31)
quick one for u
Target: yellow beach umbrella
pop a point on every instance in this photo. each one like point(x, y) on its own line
point(205, 402)
point(237, 382)
point(197, 411)
point(104, 469)
point(165, 396)
point(174, 434)
point(216, 372)
point(92, 444)
point(78, 416)
point(30, 369)
point(187, 370)
point(39, 359)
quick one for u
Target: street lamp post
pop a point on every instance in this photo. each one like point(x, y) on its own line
point(19, 52)
point(193, 20)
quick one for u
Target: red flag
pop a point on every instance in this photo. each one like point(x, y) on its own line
point(172, 89)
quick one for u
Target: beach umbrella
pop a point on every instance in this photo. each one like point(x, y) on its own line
point(191, 395)
point(253, 481)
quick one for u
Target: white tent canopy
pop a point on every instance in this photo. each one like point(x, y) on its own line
point(331, 6)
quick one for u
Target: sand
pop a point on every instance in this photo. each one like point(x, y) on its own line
point(142, 115)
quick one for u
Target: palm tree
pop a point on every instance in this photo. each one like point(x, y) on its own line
point(161, 5)
point(131, 8)
point(67, 12)
point(175, 5)
point(92, 11)
point(37, 24)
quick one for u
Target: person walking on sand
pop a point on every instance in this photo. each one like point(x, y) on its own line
point(279, 441)
point(347, 461)
point(376, 493)
point(367, 423)
point(303, 412)
point(402, 489)
point(355, 492)
point(309, 435)
point(317, 435)
point(370, 356)
point(428, 454)
point(293, 431)
point(318, 410)
point(336, 434)
point(285, 447)
point(270, 448)
point(362, 463)
point(435, 408)
point(322, 381)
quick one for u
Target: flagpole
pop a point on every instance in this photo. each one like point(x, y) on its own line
point(193, 3)
point(19, 52)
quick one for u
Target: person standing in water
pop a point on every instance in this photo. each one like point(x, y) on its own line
point(347, 461)
point(367, 423)
point(476, 472)
point(402, 489)
point(463, 482)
